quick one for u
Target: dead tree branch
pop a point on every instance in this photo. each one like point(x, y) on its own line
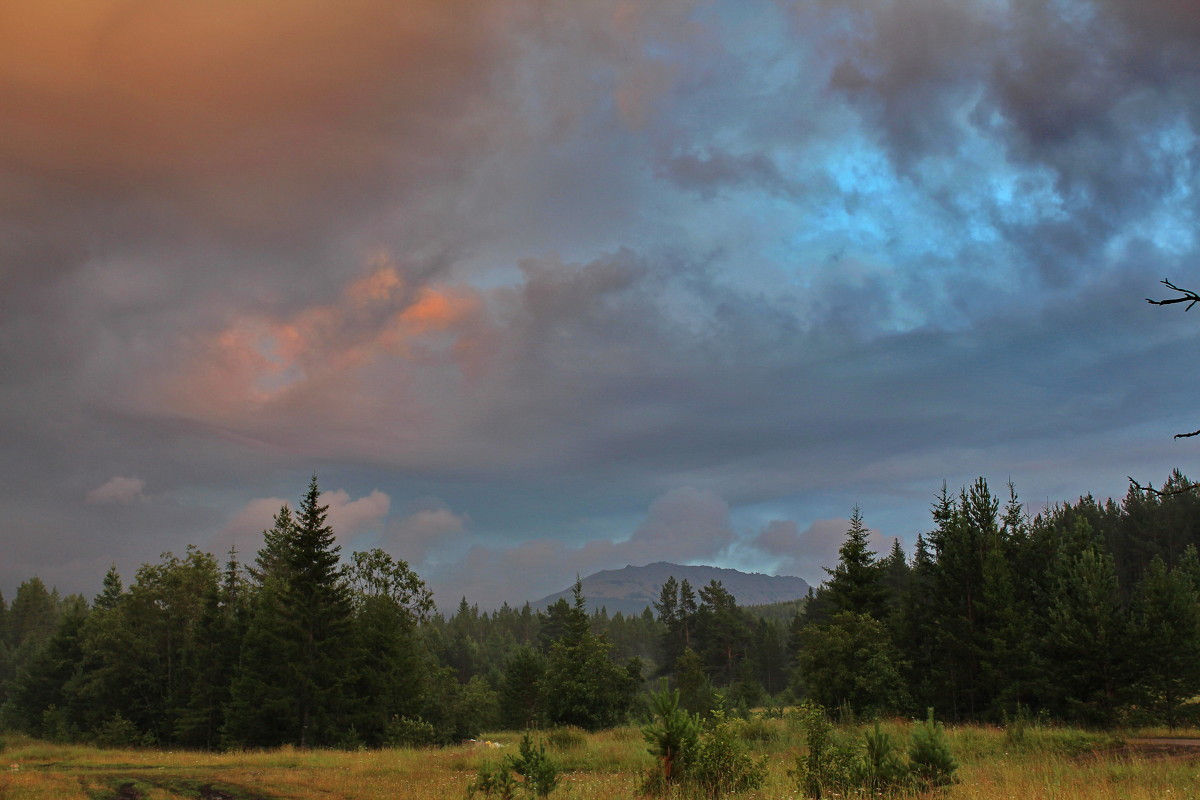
point(1163, 493)
point(1191, 298)
point(1185, 296)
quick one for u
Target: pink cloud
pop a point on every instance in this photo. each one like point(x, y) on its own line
point(426, 531)
point(348, 518)
point(245, 528)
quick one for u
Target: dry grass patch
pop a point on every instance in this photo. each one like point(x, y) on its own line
point(609, 765)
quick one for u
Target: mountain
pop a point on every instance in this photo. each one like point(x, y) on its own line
point(632, 589)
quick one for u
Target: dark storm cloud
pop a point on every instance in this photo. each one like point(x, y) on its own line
point(1101, 97)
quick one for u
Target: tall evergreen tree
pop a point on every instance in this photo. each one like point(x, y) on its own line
point(856, 584)
point(1087, 637)
point(723, 633)
point(297, 652)
point(582, 685)
point(519, 688)
point(1165, 626)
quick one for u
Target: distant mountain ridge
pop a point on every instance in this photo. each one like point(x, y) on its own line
point(632, 589)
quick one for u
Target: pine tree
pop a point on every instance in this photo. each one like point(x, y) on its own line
point(1166, 637)
point(722, 634)
point(1087, 634)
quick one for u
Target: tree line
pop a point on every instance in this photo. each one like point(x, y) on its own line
point(1088, 612)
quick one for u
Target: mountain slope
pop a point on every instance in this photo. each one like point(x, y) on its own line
point(632, 589)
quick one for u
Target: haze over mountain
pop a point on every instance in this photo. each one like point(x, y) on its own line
point(632, 589)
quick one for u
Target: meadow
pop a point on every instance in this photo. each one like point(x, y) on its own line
point(1031, 763)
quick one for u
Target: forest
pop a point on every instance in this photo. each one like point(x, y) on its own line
point(1087, 612)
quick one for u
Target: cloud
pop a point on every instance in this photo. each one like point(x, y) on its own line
point(426, 532)
point(683, 525)
point(244, 530)
point(119, 491)
point(349, 518)
point(810, 552)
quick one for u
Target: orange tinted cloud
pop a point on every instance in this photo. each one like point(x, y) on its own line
point(375, 325)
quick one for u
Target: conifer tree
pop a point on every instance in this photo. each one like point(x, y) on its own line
point(519, 686)
point(582, 685)
point(110, 594)
point(1087, 636)
point(1166, 640)
point(220, 631)
point(297, 652)
point(856, 584)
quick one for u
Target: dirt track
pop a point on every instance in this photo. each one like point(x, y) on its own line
point(1164, 746)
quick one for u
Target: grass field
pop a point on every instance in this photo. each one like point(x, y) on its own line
point(1043, 763)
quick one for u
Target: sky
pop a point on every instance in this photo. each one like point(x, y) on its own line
point(538, 288)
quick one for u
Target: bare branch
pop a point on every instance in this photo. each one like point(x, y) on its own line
point(1186, 296)
point(1159, 493)
point(1191, 298)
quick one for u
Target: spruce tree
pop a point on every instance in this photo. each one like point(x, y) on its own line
point(582, 685)
point(856, 584)
point(297, 652)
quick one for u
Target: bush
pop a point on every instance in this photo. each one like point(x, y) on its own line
point(721, 765)
point(117, 732)
point(710, 764)
point(404, 731)
point(833, 767)
point(929, 759)
point(882, 768)
point(538, 769)
point(829, 765)
point(758, 731)
point(565, 738)
point(499, 783)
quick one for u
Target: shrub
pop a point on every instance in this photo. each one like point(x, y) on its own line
point(882, 768)
point(829, 765)
point(538, 769)
point(929, 759)
point(404, 731)
point(117, 732)
point(568, 737)
point(499, 783)
point(833, 767)
point(758, 730)
point(672, 735)
point(721, 765)
point(710, 764)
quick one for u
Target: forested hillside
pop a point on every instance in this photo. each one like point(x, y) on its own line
point(1088, 612)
